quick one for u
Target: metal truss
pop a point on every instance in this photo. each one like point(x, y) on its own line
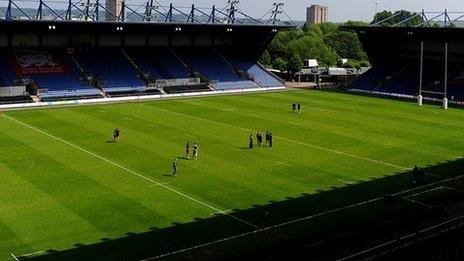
point(445, 19)
point(150, 11)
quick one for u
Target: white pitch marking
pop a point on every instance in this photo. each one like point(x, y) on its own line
point(191, 136)
point(225, 211)
point(128, 118)
point(154, 126)
point(454, 189)
point(103, 111)
point(418, 202)
point(344, 181)
point(14, 257)
point(129, 170)
point(156, 185)
point(277, 163)
point(33, 253)
point(288, 140)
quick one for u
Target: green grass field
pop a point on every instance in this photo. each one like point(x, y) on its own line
point(64, 185)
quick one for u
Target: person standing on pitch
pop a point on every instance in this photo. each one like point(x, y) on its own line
point(250, 139)
point(116, 135)
point(270, 140)
point(293, 107)
point(267, 138)
point(299, 108)
point(195, 151)
point(259, 138)
point(174, 167)
point(187, 150)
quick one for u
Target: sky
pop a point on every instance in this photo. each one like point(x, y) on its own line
point(339, 10)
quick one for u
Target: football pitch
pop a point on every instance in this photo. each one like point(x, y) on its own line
point(65, 185)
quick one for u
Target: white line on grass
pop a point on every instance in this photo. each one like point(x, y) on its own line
point(454, 189)
point(225, 211)
point(32, 254)
point(156, 185)
point(129, 171)
point(295, 221)
point(288, 140)
point(418, 203)
point(344, 181)
point(14, 257)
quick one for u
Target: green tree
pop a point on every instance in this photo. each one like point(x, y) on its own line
point(296, 64)
point(280, 64)
point(355, 23)
point(265, 59)
point(346, 44)
point(397, 17)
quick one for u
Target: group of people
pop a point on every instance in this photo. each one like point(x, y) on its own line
point(259, 139)
point(189, 149)
point(296, 107)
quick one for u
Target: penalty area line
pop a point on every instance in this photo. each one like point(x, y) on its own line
point(131, 171)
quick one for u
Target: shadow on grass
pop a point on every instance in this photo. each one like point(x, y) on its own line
point(158, 241)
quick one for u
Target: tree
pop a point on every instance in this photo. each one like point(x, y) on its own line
point(346, 45)
point(364, 64)
point(351, 64)
point(399, 16)
point(296, 64)
point(265, 59)
point(355, 23)
point(280, 64)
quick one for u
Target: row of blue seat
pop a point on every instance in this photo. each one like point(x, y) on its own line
point(116, 73)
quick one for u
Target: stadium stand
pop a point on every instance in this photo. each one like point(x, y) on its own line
point(112, 69)
point(120, 73)
point(396, 59)
point(260, 75)
point(7, 75)
point(214, 67)
point(149, 65)
point(67, 84)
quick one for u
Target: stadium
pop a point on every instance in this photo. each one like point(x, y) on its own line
point(97, 107)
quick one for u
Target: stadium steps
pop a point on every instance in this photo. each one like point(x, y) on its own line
point(189, 68)
point(35, 98)
point(240, 73)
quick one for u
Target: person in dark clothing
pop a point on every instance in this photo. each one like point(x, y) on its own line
point(174, 167)
point(116, 134)
point(250, 140)
point(267, 138)
point(293, 107)
point(195, 151)
point(299, 108)
point(259, 137)
point(270, 140)
point(187, 150)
